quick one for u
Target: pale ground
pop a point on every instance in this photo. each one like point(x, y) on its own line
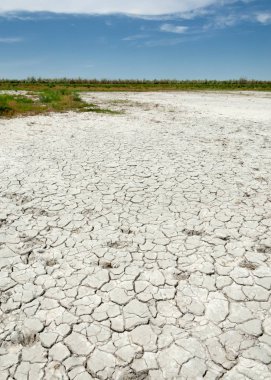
point(138, 246)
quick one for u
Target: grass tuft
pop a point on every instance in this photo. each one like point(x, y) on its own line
point(49, 100)
point(11, 105)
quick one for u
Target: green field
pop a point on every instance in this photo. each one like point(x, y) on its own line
point(37, 84)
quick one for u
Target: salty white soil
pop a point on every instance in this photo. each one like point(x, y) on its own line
point(138, 246)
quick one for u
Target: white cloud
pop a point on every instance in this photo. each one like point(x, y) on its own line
point(10, 40)
point(173, 28)
point(133, 7)
point(264, 17)
point(224, 21)
point(135, 37)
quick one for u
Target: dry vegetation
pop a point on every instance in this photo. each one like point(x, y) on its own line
point(47, 101)
point(39, 84)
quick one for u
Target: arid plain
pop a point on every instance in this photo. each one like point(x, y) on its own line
point(137, 245)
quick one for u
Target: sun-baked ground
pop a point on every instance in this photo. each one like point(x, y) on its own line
point(138, 245)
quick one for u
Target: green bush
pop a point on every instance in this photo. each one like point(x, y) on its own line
point(50, 96)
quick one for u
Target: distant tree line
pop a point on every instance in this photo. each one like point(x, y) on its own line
point(81, 84)
point(132, 81)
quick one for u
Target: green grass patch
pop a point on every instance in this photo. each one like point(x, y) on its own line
point(12, 105)
point(49, 100)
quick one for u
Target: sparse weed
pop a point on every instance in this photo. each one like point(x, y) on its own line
point(97, 109)
point(61, 100)
point(11, 105)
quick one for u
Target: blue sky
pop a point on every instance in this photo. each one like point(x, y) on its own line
point(175, 39)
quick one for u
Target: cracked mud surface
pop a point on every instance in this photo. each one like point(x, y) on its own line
point(138, 246)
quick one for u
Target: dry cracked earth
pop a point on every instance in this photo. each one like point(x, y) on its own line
point(137, 246)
